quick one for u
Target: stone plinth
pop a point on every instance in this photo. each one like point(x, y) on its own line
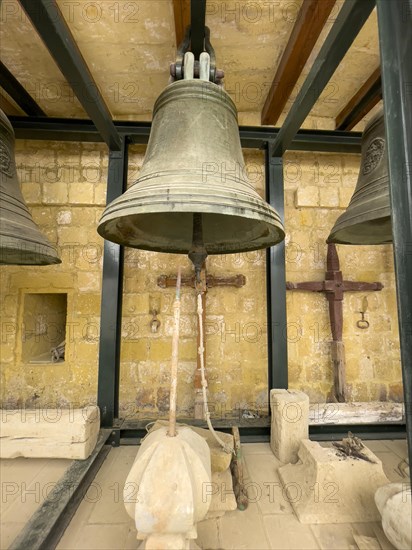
point(223, 498)
point(394, 502)
point(220, 460)
point(49, 433)
point(290, 423)
point(325, 487)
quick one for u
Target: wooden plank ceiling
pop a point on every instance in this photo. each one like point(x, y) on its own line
point(265, 48)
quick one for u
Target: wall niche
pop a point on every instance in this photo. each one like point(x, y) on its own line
point(44, 328)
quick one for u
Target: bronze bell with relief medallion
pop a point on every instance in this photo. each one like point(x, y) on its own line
point(21, 242)
point(193, 185)
point(367, 220)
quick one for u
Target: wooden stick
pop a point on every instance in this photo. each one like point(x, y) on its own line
point(236, 467)
point(339, 380)
point(175, 359)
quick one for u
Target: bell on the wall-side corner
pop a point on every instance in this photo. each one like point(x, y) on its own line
point(193, 175)
point(21, 242)
point(367, 219)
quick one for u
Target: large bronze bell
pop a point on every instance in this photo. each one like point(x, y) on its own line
point(21, 242)
point(193, 180)
point(367, 219)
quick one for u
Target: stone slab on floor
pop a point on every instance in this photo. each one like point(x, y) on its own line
point(223, 498)
point(220, 460)
point(324, 487)
point(49, 433)
point(290, 423)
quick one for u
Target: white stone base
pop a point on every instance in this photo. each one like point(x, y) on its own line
point(394, 502)
point(290, 423)
point(220, 459)
point(49, 433)
point(324, 487)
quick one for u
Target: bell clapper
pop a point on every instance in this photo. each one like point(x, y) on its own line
point(197, 253)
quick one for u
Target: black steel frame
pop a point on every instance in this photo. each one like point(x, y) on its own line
point(251, 137)
point(57, 37)
point(395, 34)
point(394, 23)
point(197, 26)
point(112, 294)
point(19, 94)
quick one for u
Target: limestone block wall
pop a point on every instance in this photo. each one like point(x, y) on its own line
point(318, 188)
point(236, 344)
point(64, 185)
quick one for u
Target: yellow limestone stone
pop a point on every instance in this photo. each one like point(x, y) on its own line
point(220, 460)
point(325, 487)
point(49, 433)
point(394, 502)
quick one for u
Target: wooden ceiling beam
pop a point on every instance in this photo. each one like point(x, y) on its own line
point(309, 24)
point(361, 103)
point(181, 10)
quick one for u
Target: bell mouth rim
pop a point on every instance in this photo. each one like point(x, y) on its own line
point(9, 242)
point(337, 233)
point(187, 204)
point(275, 233)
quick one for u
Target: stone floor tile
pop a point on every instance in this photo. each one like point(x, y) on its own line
point(34, 493)
point(364, 529)
point(109, 484)
point(131, 541)
point(98, 537)
point(25, 483)
point(109, 508)
point(263, 485)
point(243, 530)
point(101, 522)
point(208, 535)
point(256, 448)
point(391, 463)
point(380, 535)
point(78, 522)
point(373, 530)
point(9, 533)
point(338, 536)
point(398, 446)
point(376, 445)
point(16, 474)
point(286, 532)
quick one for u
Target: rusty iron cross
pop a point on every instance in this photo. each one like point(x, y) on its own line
point(334, 287)
point(206, 281)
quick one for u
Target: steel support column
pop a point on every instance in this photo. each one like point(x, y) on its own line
point(111, 307)
point(395, 34)
point(276, 281)
point(197, 30)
